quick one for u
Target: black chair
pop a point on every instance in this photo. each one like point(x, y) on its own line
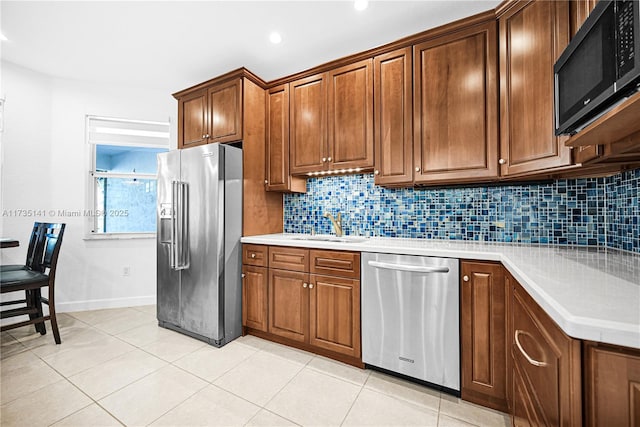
point(32, 252)
point(32, 280)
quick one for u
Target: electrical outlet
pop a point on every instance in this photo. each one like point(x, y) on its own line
point(126, 271)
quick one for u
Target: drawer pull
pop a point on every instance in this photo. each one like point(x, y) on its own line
point(253, 255)
point(526, 356)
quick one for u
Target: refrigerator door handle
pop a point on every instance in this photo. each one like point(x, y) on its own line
point(185, 259)
point(173, 250)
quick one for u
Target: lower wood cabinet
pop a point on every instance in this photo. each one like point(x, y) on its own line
point(334, 314)
point(305, 298)
point(483, 334)
point(546, 367)
point(612, 385)
point(289, 304)
point(254, 297)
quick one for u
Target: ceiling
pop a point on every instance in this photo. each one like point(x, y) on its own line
point(175, 44)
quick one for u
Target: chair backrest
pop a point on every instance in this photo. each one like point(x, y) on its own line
point(51, 242)
point(34, 250)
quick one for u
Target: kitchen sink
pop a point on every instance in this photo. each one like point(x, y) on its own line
point(326, 238)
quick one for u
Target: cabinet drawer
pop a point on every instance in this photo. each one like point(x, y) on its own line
point(254, 255)
point(294, 259)
point(336, 263)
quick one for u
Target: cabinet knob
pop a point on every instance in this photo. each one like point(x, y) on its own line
point(377, 172)
point(328, 159)
point(502, 161)
point(465, 278)
point(324, 159)
point(253, 255)
point(417, 169)
point(243, 275)
point(266, 181)
point(310, 285)
point(304, 285)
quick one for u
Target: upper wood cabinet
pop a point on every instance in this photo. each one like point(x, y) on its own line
point(393, 117)
point(331, 122)
point(532, 36)
point(277, 125)
point(456, 107)
point(225, 111)
point(483, 334)
point(308, 135)
point(193, 119)
point(350, 116)
point(211, 114)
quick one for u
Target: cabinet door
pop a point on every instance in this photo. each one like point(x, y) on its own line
point(483, 334)
point(334, 314)
point(612, 385)
point(393, 117)
point(548, 361)
point(192, 119)
point(308, 125)
point(456, 106)
point(278, 177)
point(289, 304)
point(225, 111)
point(254, 297)
point(350, 116)
point(532, 37)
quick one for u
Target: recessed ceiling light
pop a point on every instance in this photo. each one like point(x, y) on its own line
point(360, 4)
point(275, 37)
point(3, 37)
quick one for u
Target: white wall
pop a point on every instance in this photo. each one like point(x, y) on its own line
point(45, 164)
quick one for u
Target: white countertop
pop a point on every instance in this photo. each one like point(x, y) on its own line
point(592, 294)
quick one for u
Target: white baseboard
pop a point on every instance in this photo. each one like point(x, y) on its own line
point(67, 307)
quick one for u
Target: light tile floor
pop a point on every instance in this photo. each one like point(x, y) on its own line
point(117, 367)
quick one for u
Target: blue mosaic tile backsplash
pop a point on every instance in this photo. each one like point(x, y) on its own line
point(591, 211)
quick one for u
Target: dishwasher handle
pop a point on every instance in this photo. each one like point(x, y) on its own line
point(408, 267)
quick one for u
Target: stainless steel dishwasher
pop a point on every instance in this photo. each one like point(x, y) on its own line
point(410, 317)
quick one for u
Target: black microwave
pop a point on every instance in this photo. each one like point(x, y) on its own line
point(600, 66)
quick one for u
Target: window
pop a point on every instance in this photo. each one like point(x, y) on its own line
point(122, 199)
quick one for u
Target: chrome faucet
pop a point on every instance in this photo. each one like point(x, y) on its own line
point(336, 222)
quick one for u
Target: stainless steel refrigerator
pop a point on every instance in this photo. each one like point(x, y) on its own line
point(198, 242)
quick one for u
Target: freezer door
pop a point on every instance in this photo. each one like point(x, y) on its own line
point(168, 279)
point(202, 172)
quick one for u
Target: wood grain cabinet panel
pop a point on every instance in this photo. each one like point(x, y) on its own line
point(612, 385)
point(393, 117)
point(289, 304)
point(334, 314)
point(483, 334)
point(335, 263)
point(254, 297)
point(455, 106)
point(350, 116)
point(193, 119)
point(532, 36)
point(255, 255)
point(212, 114)
point(225, 112)
point(286, 258)
point(546, 367)
point(277, 110)
point(308, 133)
